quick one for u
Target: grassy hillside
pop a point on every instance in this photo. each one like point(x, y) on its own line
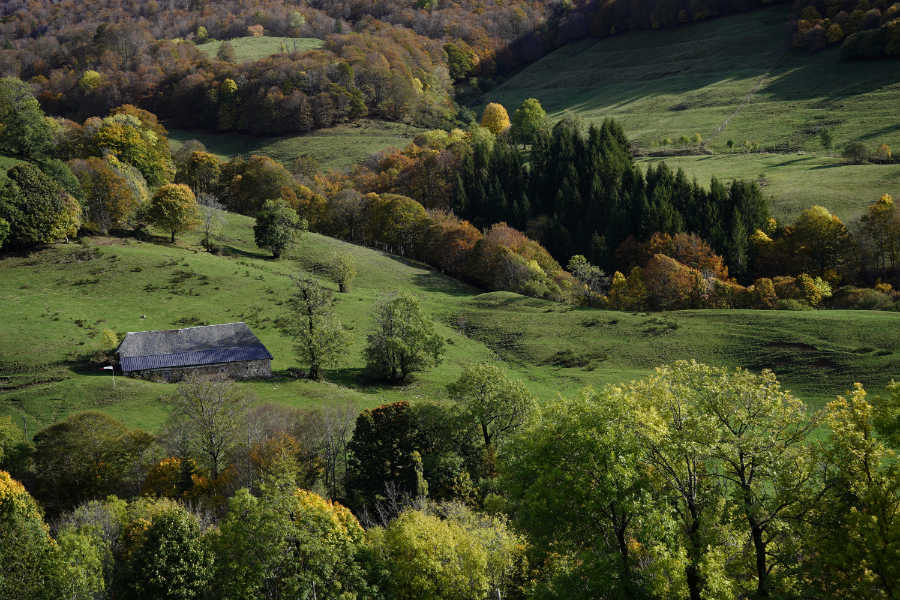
point(796, 181)
point(58, 302)
point(337, 148)
point(728, 78)
point(250, 49)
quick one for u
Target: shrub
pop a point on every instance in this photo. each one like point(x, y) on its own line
point(856, 153)
point(789, 304)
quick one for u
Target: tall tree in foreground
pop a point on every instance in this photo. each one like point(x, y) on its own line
point(404, 341)
point(762, 455)
point(853, 534)
point(577, 485)
point(319, 336)
point(28, 557)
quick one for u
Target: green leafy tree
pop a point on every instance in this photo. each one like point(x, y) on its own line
point(592, 278)
point(343, 270)
point(29, 558)
point(277, 225)
point(133, 136)
point(462, 556)
point(201, 172)
point(821, 240)
point(171, 560)
point(14, 449)
point(174, 208)
point(86, 456)
point(81, 564)
point(578, 485)
point(37, 209)
point(288, 543)
point(404, 340)
point(494, 404)
point(319, 336)
point(24, 130)
point(4, 231)
point(106, 197)
point(460, 61)
point(760, 445)
point(381, 453)
point(881, 232)
point(528, 121)
point(853, 538)
point(676, 434)
point(856, 152)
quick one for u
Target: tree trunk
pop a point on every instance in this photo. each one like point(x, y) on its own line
point(762, 573)
point(692, 571)
point(173, 236)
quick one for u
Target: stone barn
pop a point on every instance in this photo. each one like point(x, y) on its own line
point(230, 349)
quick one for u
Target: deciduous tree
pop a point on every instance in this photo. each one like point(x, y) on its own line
point(319, 336)
point(207, 421)
point(26, 132)
point(404, 340)
point(494, 404)
point(37, 209)
point(277, 226)
point(495, 118)
point(174, 208)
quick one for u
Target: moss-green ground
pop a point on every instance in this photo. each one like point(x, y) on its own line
point(58, 301)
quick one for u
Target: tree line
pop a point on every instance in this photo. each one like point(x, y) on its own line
point(863, 30)
point(692, 482)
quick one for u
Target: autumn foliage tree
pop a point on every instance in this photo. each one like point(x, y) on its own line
point(106, 197)
point(495, 118)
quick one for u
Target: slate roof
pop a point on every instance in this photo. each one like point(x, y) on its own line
point(192, 346)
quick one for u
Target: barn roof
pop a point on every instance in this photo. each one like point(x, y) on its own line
point(192, 346)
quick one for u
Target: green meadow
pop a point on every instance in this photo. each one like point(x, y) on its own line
point(251, 49)
point(335, 148)
point(58, 302)
point(797, 180)
point(732, 79)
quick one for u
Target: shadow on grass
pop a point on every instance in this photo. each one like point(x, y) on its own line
point(433, 281)
point(233, 251)
point(831, 166)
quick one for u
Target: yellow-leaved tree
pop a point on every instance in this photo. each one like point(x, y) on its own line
point(495, 118)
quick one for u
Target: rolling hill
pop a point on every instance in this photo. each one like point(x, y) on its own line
point(732, 79)
point(58, 302)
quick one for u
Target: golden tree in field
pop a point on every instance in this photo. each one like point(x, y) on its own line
point(495, 118)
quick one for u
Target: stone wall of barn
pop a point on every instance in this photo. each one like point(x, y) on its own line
point(247, 369)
